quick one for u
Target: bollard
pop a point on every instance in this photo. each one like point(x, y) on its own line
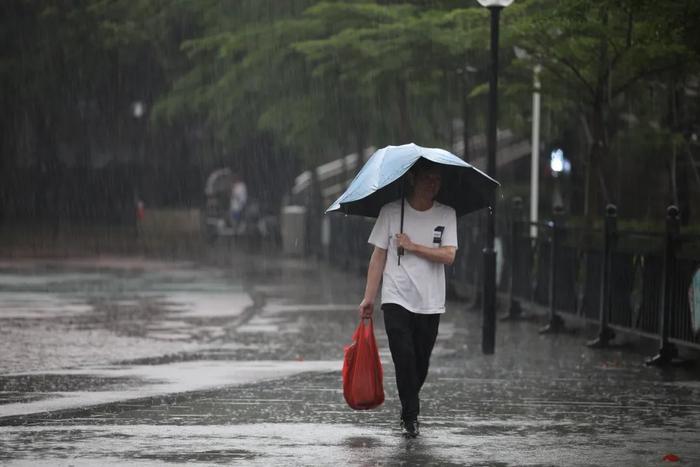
point(605, 333)
point(667, 350)
point(515, 311)
point(556, 323)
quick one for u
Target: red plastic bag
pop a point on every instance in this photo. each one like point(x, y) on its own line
point(363, 376)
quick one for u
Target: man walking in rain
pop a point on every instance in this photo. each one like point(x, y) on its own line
point(413, 290)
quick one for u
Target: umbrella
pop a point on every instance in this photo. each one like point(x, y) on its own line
point(463, 187)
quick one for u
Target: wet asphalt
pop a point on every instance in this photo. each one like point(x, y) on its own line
point(122, 371)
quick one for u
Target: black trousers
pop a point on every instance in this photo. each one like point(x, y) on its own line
point(411, 340)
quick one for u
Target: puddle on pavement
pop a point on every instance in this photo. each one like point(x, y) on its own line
point(201, 392)
point(47, 383)
point(148, 381)
point(331, 444)
point(119, 309)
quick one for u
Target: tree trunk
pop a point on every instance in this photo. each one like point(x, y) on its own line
point(596, 185)
point(405, 130)
point(448, 114)
point(361, 143)
point(683, 189)
point(598, 151)
point(465, 118)
point(673, 175)
point(691, 163)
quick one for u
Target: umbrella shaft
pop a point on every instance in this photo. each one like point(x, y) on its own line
point(403, 202)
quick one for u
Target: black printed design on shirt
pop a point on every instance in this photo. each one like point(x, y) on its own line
point(437, 234)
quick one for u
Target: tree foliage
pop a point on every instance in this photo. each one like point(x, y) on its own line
point(599, 58)
point(250, 82)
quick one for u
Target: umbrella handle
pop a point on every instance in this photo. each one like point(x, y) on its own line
point(403, 201)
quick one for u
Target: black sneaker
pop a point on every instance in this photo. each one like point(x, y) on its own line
point(410, 428)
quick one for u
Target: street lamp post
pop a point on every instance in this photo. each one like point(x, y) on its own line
point(488, 326)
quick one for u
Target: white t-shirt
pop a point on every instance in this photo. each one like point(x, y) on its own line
point(239, 196)
point(417, 284)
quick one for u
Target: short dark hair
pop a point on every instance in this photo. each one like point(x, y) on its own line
point(422, 165)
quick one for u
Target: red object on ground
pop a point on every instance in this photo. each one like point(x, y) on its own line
point(140, 210)
point(363, 376)
point(671, 458)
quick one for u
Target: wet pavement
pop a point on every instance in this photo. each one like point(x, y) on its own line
point(130, 361)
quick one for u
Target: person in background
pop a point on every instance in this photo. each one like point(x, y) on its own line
point(413, 292)
point(239, 199)
point(140, 214)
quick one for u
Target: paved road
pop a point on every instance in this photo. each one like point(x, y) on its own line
point(137, 362)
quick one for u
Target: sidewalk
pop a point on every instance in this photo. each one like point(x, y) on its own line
point(539, 401)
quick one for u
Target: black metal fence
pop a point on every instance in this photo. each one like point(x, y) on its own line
point(624, 280)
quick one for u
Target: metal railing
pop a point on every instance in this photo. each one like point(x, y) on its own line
point(625, 281)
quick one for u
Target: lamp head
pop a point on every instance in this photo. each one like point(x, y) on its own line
point(495, 3)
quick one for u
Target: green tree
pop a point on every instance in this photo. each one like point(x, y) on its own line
point(595, 54)
point(407, 55)
point(331, 76)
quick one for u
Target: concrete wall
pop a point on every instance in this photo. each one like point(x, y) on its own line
point(166, 222)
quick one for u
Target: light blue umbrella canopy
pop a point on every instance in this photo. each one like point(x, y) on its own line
point(463, 186)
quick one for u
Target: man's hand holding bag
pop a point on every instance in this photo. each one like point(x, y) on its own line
point(363, 375)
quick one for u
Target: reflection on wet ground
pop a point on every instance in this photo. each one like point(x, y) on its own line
point(55, 317)
point(177, 363)
point(31, 386)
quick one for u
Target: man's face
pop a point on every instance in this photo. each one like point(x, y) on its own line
point(427, 182)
